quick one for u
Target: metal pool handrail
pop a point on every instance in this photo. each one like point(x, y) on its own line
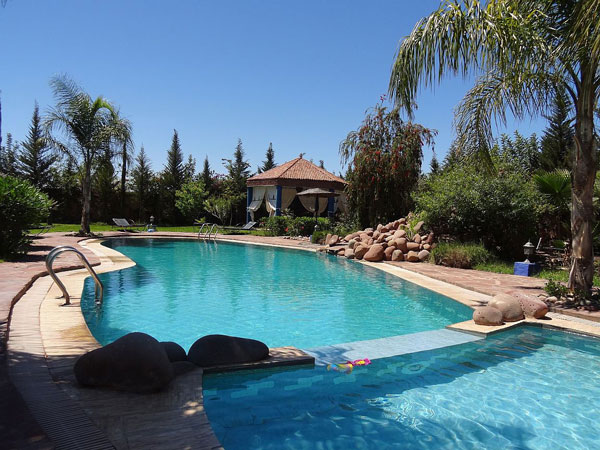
point(98, 287)
point(210, 227)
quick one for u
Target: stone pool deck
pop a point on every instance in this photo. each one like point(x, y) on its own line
point(45, 339)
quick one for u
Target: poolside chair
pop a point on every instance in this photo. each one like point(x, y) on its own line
point(249, 225)
point(122, 223)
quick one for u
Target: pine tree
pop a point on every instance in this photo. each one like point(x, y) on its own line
point(174, 170)
point(189, 169)
point(270, 161)
point(206, 175)
point(104, 185)
point(8, 157)
point(36, 158)
point(141, 178)
point(172, 179)
point(434, 165)
point(558, 136)
point(235, 184)
point(237, 169)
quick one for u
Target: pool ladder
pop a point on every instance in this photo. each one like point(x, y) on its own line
point(98, 287)
point(207, 230)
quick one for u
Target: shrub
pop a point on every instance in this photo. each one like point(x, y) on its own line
point(277, 225)
point(299, 226)
point(463, 256)
point(302, 226)
point(318, 237)
point(22, 206)
point(501, 208)
point(556, 289)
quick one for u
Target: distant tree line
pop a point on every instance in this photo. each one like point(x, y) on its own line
point(80, 153)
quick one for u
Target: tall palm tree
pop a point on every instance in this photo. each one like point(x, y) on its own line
point(524, 51)
point(89, 125)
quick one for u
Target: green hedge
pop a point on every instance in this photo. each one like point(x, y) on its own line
point(23, 206)
point(500, 208)
point(298, 226)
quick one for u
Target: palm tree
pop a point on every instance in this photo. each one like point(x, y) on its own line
point(89, 125)
point(524, 51)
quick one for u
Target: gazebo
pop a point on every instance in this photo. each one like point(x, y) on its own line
point(279, 186)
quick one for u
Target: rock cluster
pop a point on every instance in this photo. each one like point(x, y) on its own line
point(396, 241)
point(139, 363)
point(509, 308)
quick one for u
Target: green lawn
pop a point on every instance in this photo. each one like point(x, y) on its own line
point(100, 227)
point(548, 274)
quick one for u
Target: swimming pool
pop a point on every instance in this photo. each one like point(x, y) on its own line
point(181, 290)
point(527, 388)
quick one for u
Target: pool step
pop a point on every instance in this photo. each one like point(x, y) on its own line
point(390, 346)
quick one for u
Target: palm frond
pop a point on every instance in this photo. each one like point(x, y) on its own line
point(555, 186)
point(522, 92)
point(459, 38)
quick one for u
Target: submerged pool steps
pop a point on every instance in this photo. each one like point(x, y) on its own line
point(390, 346)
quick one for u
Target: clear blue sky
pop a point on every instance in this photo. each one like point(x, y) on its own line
point(298, 74)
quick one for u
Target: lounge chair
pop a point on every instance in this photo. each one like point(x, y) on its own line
point(122, 223)
point(249, 225)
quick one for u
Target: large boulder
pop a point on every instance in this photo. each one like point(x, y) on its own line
point(174, 351)
point(418, 226)
point(334, 239)
point(417, 239)
point(402, 244)
point(509, 306)
point(349, 253)
point(135, 362)
point(423, 255)
point(532, 306)
point(487, 315)
point(412, 246)
point(218, 350)
point(351, 243)
point(397, 255)
point(412, 256)
point(388, 253)
point(360, 250)
point(375, 253)
point(399, 234)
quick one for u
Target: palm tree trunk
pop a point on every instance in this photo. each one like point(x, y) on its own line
point(581, 276)
point(87, 200)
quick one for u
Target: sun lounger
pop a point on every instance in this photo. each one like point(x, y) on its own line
point(122, 223)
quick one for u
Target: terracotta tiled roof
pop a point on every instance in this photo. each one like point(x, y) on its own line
point(297, 172)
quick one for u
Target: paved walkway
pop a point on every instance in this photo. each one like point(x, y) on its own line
point(483, 282)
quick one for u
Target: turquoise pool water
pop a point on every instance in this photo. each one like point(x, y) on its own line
point(526, 389)
point(181, 290)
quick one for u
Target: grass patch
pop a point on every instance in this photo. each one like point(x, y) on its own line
point(546, 274)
